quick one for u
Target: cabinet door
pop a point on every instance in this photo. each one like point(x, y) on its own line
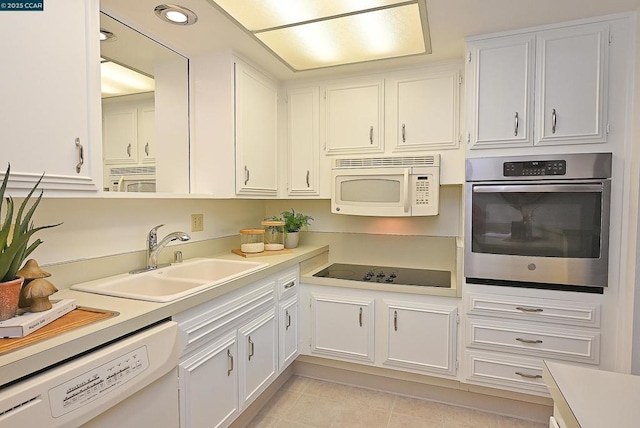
point(258, 356)
point(422, 337)
point(256, 134)
point(354, 117)
point(51, 95)
point(500, 92)
point(571, 82)
point(147, 134)
point(342, 327)
point(120, 136)
point(209, 385)
point(303, 140)
point(288, 332)
point(427, 111)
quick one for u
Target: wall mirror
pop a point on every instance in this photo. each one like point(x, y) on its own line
point(145, 117)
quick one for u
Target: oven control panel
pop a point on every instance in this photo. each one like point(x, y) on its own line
point(534, 168)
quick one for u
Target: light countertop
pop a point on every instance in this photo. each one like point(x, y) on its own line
point(132, 316)
point(591, 398)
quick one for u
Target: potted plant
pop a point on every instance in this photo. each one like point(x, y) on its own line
point(293, 223)
point(15, 233)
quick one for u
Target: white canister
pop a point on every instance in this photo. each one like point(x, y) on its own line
point(252, 240)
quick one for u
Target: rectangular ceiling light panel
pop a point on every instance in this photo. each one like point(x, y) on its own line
point(258, 15)
point(380, 34)
point(309, 34)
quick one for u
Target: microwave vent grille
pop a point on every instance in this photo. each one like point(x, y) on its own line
point(134, 170)
point(388, 161)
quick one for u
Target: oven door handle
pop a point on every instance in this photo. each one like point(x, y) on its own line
point(540, 188)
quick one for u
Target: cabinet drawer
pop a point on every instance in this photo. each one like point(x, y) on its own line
point(532, 309)
point(572, 345)
point(287, 283)
point(515, 373)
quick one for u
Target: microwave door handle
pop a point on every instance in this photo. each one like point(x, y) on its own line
point(406, 190)
point(543, 188)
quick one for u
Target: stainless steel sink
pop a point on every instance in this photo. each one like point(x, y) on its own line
point(173, 282)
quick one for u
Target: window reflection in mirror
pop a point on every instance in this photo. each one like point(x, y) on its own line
point(145, 129)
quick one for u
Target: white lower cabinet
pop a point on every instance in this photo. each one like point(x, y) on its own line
point(421, 337)
point(234, 346)
point(342, 327)
point(288, 332)
point(507, 336)
point(209, 385)
point(257, 356)
point(408, 332)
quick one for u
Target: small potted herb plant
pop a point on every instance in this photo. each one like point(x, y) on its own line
point(293, 223)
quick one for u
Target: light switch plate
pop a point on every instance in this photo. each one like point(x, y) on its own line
point(197, 223)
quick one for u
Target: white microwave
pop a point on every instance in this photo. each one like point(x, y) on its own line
point(386, 186)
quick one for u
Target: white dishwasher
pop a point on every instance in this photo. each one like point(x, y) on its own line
point(131, 382)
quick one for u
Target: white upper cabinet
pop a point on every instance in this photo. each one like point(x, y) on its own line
point(571, 84)
point(354, 115)
point(423, 111)
point(303, 141)
point(563, 72)
point(256, 99)
point(500, 92)
point(50, 86)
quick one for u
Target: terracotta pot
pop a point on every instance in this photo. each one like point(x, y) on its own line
point(9, 297)
point(291, 240)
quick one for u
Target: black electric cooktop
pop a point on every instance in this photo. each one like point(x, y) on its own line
point(387, 275)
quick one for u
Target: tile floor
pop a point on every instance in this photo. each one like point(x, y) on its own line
point(306, 402)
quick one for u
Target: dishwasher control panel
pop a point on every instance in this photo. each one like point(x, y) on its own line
point(97, 382)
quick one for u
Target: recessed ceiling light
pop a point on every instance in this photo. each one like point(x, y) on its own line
point(175, 14)
point(107, 36)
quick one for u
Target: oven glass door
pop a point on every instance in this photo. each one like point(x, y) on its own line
point(563, 220)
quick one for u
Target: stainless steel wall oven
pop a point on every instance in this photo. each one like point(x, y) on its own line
point(538, 221)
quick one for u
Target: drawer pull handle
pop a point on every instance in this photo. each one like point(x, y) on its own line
point(289, 284)
point(360, 317)
point(529, 376)
point(404, 134)
point(520, 308)
point(395, 320)
point(519, 339)
point(371, 135)
point(251, 348)
point(554, 121)
point(515, 130)
point(230, 358)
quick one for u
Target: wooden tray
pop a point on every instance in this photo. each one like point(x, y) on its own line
point(264, 253)
point(76, 318)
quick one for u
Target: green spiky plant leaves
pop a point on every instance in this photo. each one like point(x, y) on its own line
point(15, 247)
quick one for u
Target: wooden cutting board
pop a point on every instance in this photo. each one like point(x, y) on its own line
point(78, 317)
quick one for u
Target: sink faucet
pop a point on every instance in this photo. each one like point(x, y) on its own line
point(154, 247)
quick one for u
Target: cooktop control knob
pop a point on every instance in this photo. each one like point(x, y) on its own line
point(390, 279)
point(393, 275)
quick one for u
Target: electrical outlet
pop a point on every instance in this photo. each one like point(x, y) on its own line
point(197, 223)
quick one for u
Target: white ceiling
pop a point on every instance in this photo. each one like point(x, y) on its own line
point(450, 22)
